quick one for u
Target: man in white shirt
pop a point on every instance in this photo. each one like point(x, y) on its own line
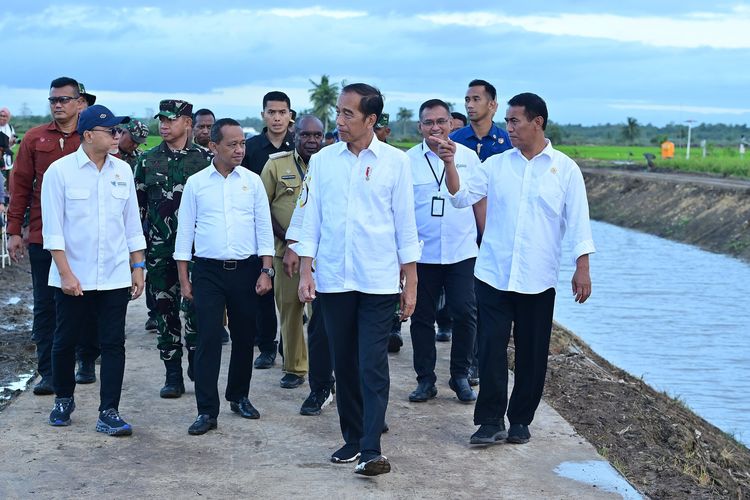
point(359, 225)
point(224, 212)
point(448, 256)
point(535, 194)
point(91, 227)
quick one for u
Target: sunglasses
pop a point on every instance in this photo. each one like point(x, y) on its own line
point(114, 131)
point(62, 99)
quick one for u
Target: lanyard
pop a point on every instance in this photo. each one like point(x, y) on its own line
point(299, 169)
point(439, 181)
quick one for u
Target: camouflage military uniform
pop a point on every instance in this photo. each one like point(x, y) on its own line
point(130, 158)
point(159, 178)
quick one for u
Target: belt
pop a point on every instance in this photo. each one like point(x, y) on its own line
point(227, 265)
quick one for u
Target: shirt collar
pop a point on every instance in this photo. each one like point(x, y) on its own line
point(298, 158)
point(375, 146)
point(288, 139)
point(234, 172)
point(548, 151)
point(426, 149)
point(83, 159)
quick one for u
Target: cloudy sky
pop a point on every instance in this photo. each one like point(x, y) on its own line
point(593, 61)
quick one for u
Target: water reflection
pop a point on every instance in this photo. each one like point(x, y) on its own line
point(671, 313)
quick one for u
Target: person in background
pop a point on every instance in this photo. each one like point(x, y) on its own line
point(203, 120)
point(458, 120)
point(134, 135)
point(7, 129)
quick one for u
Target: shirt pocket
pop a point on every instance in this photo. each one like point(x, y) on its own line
point(551, 199)
point(77, 202)
point(289, 186)
point(119, 198)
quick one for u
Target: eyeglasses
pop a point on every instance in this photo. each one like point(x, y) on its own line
point(114, 131)
point(310, 135)
point(65, 99)
point(440, 122)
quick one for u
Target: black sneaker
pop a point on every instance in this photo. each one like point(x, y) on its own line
point(111, 423)
point(60, 414)
point(518, 434)
point(265, 360)
point(395, 342)
point(315, 402)
point(373, 467)
point(150, 325)
point(44, 387)
point(489, 434)
point(346, 454)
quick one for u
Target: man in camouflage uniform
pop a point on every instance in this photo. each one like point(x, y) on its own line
point(135, 133)
point(160, 175)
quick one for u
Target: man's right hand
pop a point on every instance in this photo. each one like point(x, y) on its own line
point(70, 285)
point(291, 262)
point(186, 289)
point(16, 248)
point(306, 289)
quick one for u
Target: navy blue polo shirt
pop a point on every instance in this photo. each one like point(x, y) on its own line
point(495, 142)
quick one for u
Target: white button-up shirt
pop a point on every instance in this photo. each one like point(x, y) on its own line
point(227, 218)
point(92, 215)
point(359, 218)
point(531, 204)
point(452, 237)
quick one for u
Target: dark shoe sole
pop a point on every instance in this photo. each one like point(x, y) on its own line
point(252, 416)
point(172, 393)
point(498, 437)
point(292, 385)
point(43, 391)
point(423, 399)
point(374, 467)
point(517, 440)
point(200, 432)
point(82, 379)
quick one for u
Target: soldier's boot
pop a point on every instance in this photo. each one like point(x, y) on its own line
point(191, 359)
point(174, 387)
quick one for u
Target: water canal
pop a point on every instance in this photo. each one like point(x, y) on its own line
point(670, 313)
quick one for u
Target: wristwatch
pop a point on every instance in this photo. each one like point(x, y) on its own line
point(269, 271)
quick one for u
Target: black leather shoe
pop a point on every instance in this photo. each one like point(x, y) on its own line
point(488, 434)
point(291, 381)
point(423, 392)
point(444, 334)
point(150, 325)
point(265, 360)
point(44, 387)
point(245, 408)
point(202, 425)
point(172, 391)
point(86, 372)
point(395, 342)
point(473, 376)
point(463, 390)
point(518, 434)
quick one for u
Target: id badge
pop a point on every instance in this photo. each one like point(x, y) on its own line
point(438, 206)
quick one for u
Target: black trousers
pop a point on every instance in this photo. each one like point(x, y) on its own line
point(531, 318)
point(109, 308)
point(443, 318)
point(458, 281)
point(266, 321)
point(43, 327)
point(214, 289)
point(319, 351)
point(358, 325)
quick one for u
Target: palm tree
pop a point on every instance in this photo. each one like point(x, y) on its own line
point(631, 130)
point(404, 115)
point(323, 96)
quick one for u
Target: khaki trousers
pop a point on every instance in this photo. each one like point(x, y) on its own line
point(290, 313)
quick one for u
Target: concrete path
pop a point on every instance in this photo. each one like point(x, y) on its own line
point(282, 455)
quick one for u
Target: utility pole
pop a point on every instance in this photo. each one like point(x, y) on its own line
point(690, 126)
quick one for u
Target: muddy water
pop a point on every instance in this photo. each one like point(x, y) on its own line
point(670, 313)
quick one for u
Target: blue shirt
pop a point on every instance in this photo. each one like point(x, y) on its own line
point(495, 142)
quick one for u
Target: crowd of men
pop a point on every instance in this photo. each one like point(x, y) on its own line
point(463, 229)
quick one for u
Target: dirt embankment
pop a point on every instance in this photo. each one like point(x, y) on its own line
point(709, 212)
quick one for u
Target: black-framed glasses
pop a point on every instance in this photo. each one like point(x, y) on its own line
point(114, 131)
point(63, 99)
point(440, 122)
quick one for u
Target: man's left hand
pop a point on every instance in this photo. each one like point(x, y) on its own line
point(263, 285)
point(581, 284)
point(136, 278)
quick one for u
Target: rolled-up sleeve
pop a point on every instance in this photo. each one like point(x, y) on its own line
point(183, 245)
point(473, 185)
point(53, 209)
point(263, 230)
point(577, 216)
point(309, 234)
point(402, 204)
point(133, 228)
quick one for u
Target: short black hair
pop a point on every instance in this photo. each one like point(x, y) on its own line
point(533, 106)
point(433, 103)
point(459, 116)
point(372, 100)
point(65, 81)
point(329, 135)
point(488, 87)
point(216, 135)
point(202, 112)
point(276, 95)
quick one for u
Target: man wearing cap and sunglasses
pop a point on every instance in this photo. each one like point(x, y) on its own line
point(92, 229)
point(40, 147)
point(160, 176)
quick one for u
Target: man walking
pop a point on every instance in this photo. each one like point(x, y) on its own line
point(92, 229)
point(359, 225)
point(535, 195)
point(282, 178)
point(224, 213)
point(160, 176)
